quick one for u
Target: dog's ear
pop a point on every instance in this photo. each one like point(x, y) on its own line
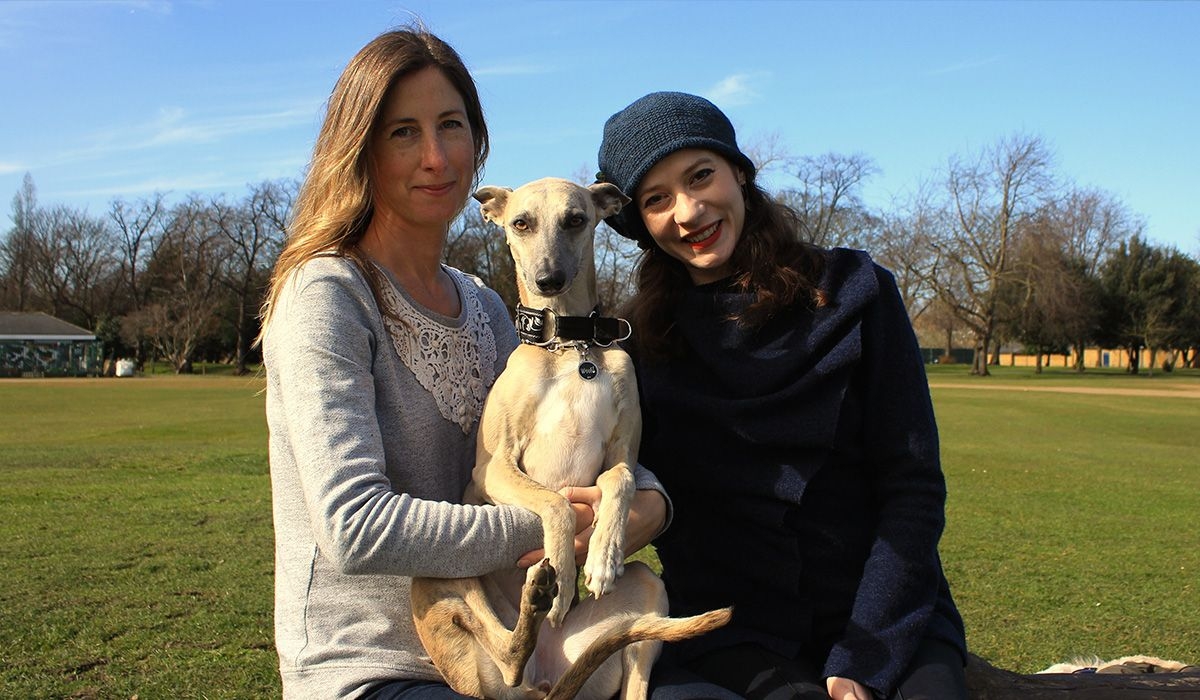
point(492, 202)
point(608, 198)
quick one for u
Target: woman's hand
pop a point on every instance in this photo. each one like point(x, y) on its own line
point(846, 689)
point(647, 515)
point(585, 515)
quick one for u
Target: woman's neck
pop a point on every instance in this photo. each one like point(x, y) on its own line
point(415, 261)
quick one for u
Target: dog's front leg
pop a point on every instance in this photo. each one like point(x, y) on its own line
point(606, 548)
point(503, 482)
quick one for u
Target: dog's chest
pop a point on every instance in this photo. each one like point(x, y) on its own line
point(573, 423)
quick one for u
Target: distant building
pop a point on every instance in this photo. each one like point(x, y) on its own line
point(39, 345)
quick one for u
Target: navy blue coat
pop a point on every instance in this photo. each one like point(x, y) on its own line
point(802, 461)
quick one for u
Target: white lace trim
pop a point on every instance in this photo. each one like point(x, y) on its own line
point(455, 365)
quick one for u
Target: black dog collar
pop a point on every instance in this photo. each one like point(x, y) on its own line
point(546, 329)
point(533, 325)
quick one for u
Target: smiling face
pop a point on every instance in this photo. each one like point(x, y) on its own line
point(691, 202)
point(421, 154)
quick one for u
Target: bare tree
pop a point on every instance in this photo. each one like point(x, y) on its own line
point(828, 199)
point(253, 230)
point(902, 244)
point(69, 268)
point(940, 322)
point(136, 226)
point(475, 246)
point(184, 286)
point(616, 265)
point(767, 152)
point(1048, 300)
point(18, 249)
point(987, 199)
point(1091, 225)
point(90, 278)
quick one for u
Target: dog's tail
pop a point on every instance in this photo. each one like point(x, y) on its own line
point(634, 629)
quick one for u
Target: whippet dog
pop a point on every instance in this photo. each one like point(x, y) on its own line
point(564, 412)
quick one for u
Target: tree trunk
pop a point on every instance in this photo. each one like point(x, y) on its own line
point(243, 338)
point(979, 365)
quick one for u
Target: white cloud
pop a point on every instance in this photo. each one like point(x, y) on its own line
point(9, 168)
point(734, 90)
point(174, 126)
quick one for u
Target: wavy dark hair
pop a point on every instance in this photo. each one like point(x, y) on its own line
point(773, 261)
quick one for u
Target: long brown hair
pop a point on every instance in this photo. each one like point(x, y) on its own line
point(334, 206)
point(772, 260)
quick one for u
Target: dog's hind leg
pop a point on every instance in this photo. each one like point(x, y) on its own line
point(541, 587)
point(637, 660)
point(470, 645)
point(641, 601)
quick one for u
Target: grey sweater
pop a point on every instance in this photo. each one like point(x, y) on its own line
point(372, 440)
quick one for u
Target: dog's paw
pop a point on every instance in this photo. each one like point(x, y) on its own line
point(541, 587)
point(599, 577)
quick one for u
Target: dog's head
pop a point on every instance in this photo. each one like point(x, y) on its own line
point(550, 225)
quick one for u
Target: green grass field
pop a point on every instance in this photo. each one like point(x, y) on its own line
point(136, 534)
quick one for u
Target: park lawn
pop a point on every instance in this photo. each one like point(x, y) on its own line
point(137, 545)
point(1072, 524)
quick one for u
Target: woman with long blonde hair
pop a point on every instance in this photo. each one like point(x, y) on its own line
point(378, 360)
point(334, 206)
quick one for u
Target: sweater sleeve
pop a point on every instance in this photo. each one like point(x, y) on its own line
point(321, 346)
point(900, 583)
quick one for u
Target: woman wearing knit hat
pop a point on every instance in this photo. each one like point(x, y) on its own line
point(787, 413)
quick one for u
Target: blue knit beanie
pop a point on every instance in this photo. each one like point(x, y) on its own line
point(652, 128)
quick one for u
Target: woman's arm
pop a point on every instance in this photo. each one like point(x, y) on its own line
point(322, 344)
point(901, 580)
point(649, 515)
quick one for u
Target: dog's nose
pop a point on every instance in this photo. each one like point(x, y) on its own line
point(551, 282)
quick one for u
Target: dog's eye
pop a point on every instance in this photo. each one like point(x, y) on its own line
point(520, 224)
point(576, 220)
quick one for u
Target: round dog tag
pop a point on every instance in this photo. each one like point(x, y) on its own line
point(587, 370)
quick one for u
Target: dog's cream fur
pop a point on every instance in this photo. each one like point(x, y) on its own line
point(1125, 664)
point(545, 427)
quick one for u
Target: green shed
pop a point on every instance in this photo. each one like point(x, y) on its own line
point(40, 345)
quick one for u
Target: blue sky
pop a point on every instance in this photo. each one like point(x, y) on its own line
point(105, 99)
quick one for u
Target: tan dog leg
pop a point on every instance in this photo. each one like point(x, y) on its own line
point(504, 483)
point(638, 659)
point(606, 548)
point(464, 635)
point(631, 618)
